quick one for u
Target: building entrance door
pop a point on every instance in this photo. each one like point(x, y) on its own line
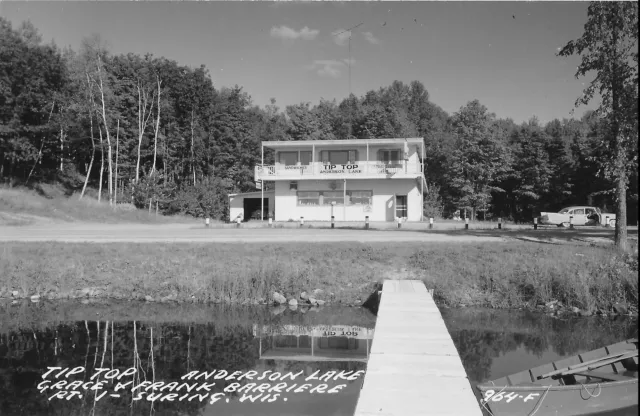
point(401, 206)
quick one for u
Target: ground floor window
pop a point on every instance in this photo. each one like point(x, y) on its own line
point(332, 196)
point(308, 198)
point(327, 197)
point(401, 206)
point(360, 197)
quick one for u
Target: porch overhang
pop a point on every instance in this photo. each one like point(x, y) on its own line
point(284, 144)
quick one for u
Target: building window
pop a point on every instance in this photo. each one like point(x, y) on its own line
point(288, 158)
point(389, 156)
point(332, 196)
point(285, 341)
point(359, 197)
point(305, 158)
point(308, 198)
point(339, 157)
point(327, 197)
point(293, 186)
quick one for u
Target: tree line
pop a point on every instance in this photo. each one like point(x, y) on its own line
point(149, 131)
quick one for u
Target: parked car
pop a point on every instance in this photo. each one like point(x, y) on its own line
point(582, 215)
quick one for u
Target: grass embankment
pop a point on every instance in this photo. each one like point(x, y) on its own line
point(52, 202)
point(501, 275)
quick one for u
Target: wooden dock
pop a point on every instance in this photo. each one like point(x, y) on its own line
point(413, 367)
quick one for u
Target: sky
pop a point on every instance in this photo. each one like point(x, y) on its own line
point(501, 53)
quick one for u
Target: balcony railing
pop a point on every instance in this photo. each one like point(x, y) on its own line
point(319, 169)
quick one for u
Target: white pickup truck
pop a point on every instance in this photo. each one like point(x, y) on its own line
point(582, 215)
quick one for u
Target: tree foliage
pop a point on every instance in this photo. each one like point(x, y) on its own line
point(68, 115)
point(609, 47)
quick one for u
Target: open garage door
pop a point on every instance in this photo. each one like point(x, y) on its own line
point(252, 208)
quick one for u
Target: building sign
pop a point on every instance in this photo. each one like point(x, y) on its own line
point(296, 167)
point(349, 169)
point(259, 184)
point(316, 331)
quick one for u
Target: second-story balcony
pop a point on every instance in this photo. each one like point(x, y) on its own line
point(338, 159)
point(322, 170)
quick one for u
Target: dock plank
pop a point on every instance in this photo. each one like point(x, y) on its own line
point(414, 367)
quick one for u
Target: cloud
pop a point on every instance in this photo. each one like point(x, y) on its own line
point(330, 68)
point(287, 33)
point(340, 37)
point(369, 37)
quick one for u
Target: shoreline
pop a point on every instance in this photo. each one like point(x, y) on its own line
point(503, 275)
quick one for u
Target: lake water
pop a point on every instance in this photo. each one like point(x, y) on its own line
point(323, 348)
point(288, 362)
point(496, 343)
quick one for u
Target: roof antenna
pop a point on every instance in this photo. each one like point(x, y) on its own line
point(350, 30)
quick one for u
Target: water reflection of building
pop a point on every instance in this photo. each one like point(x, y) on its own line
point(314, 343)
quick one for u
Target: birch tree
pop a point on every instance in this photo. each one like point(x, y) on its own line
point(115, 191)
point(106, 125)
point(144, 114)
point(155, 139)
point(90, 100)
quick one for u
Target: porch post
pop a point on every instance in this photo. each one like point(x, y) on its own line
point(313, 158)
point(422, 181)
point(367, 171)
point(262, 184)
point(344, 201)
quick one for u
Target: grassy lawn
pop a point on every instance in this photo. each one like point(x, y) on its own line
point(502, 275)
point(20, 206)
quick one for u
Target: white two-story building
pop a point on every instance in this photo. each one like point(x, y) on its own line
point(382, 179)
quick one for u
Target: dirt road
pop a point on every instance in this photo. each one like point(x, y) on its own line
point(145, 233)
point(76, 232)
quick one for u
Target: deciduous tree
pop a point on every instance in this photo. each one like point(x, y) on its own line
point(609, 47)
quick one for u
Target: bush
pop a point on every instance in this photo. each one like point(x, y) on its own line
point(433, 206)
point(206, 199)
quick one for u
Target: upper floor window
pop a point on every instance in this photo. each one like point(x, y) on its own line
point(389, 156)
point(339, 157)
point(305, 158)
point(292, 158)
point(288, 158)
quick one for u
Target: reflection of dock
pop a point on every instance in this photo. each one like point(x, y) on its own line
point(315, 343)
point(414, 367)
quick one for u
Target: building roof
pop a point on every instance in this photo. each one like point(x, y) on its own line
point(255, 193)
point(298, 143)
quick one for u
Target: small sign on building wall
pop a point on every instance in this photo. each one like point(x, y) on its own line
point(259, 184)
point(367, 208)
